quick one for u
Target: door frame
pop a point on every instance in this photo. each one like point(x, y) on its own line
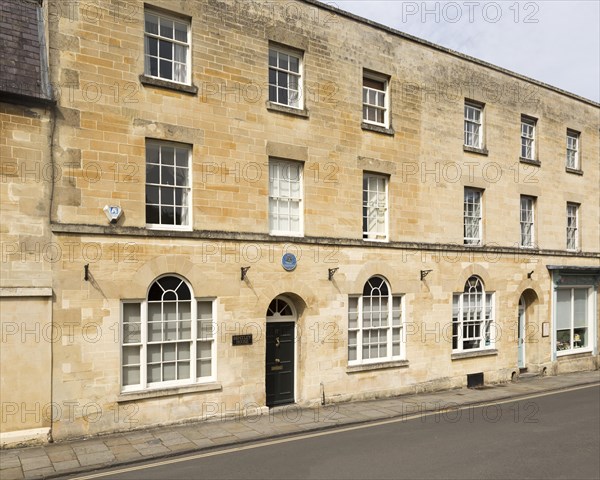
point(287, 319)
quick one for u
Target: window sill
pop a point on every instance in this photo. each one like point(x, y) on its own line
point(275, 107)
point(378, 129)
point(377, 366)
point(480, 151)
point(530, 161)
point(168, 392)
point(376, 240)
point(569, 353)
point(475, 354)
point(286, 234)
point(178, 87)
point(473, 245)
point(575, 171)
point(168, 228)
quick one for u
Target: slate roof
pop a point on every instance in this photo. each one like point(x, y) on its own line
point(23, 63)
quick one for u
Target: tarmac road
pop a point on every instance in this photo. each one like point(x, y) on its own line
point(552, 435)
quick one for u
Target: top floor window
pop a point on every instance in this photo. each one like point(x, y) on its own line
point(528, 138)
point(167, 47)
point(285, 77)
point(473, 125)
point(376, 99)
point(572, 149)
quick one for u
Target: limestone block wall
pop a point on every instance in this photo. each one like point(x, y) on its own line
point(86, 370)
point(108, 114)
point(26, 178)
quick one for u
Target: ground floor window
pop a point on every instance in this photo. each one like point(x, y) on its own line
point(167, 338)
point(472, 317)
point(375, 324)
point(573, 315)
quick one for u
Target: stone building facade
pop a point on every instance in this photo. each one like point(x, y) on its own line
point(242, 205)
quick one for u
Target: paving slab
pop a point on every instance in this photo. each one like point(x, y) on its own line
point(35, 463)
point(40, 472)
point(91, 448)
point(32, 452)
point(66, 466)
point(10, 461)
point(111, 442)
point(10, 473)
point(203, 443)
point(100, 458)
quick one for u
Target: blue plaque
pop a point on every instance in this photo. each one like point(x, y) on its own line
point(289, 262)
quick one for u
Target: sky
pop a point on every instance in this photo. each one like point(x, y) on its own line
point(553, 41)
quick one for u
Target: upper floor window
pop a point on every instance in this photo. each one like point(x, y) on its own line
point(375, 207)
point(572, 226)
point(285, 77)
point(473, 125)
point(285, 198)
point(472, 216)
point(375, 324)
point(527, 221)
point(167, 339)
point(573, 149)
point(528, 140)
point(376, 99)
point(167, 47)
point(472, 317)
point(168, 192)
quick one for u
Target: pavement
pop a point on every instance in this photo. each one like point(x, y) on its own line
point(85, 455)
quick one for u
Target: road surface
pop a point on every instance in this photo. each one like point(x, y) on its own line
point(548, 436)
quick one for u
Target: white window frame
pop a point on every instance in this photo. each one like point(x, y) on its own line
point(528, 137)
point(369, 92)
point(527, 221)
point(589, 326)
point(299, 75)
point(371, 206)
point(473, 126)
point(163, 17)
point(395, 326)
point(186, 190)
point(573, 149)
point(207, 332)
point(472, 311)
point(572, 226)
point(470, 216)
point(277, 197)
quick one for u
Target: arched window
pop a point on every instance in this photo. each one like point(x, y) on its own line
point(280, 309)
point(168, 338)
point(472, 317)
point(375, 324)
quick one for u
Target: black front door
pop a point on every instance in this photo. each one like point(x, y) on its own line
point(280, 363)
